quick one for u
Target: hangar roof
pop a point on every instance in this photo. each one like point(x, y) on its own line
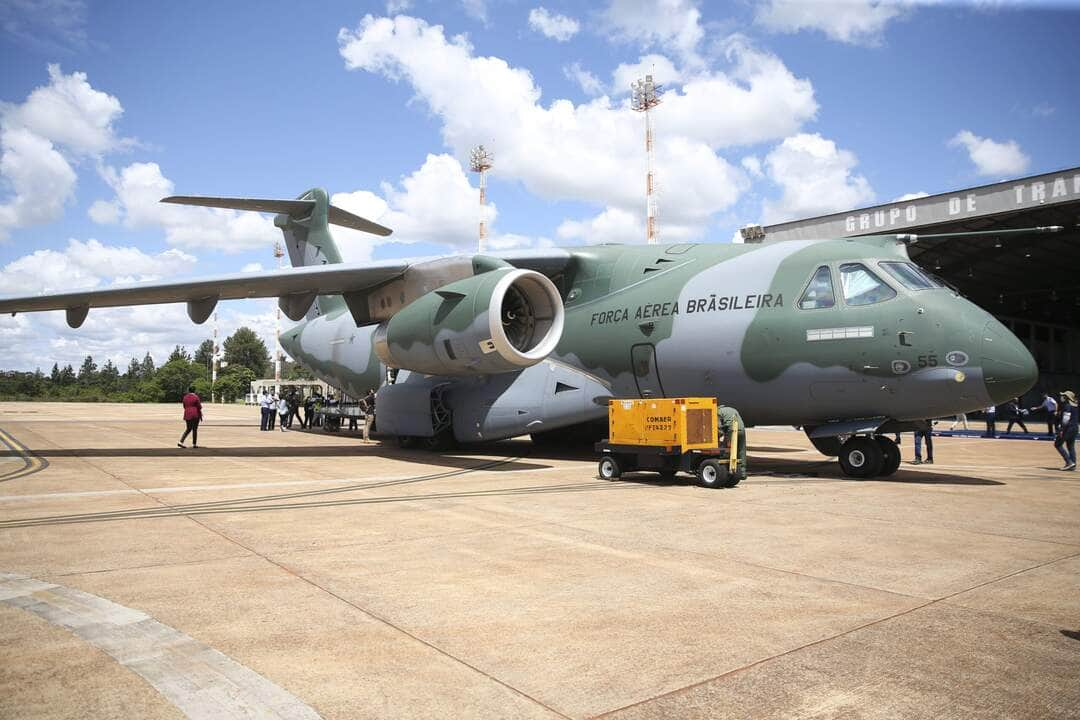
point(1034, 277)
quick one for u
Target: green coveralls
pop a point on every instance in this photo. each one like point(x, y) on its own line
point(724, 419)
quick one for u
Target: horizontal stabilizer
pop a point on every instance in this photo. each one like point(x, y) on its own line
point(296, 208)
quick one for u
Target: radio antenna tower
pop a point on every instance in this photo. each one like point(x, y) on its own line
point(480, 161)
point(645, 95)
point(279, 253)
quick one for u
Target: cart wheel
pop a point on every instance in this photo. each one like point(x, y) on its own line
point(713, 474)
point(609, 468)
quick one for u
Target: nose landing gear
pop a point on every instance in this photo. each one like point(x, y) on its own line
point(866, 457)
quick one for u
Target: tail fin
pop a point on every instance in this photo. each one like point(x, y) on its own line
point(305, 223)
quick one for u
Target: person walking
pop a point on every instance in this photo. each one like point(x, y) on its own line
point(283, 411)
point(192, 417)
point(294, 408)
point(309, 411)
point(1015, 415)
point(991, 418)
point(920, 436)
point(960, 419)
point(264, 408)
point(1050, 407)
point(1065, 440)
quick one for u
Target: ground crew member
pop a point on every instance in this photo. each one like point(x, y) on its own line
point(991, 416)
point(726, 417)
point(283, 411)
point(1065, 441)
point(926, 435)
point(1050, 407)
point(1015, 415)
point(264, 408)
point(192, 417)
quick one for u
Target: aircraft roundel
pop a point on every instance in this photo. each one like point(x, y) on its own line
point(901, 367)
point(956, 358)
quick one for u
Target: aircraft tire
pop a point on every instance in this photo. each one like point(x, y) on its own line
point(861, 457)
point(713, 473)
point(442, 441)
point(609, 469)
point(892, 456)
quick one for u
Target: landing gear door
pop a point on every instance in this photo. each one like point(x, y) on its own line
point(646, 374)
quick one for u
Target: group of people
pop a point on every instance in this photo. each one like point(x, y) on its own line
point(280, 410)
point(1061, 424)
point(1061, 421)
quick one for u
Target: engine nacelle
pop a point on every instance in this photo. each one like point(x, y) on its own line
point(499, 321)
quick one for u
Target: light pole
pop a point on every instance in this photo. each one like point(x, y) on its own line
point(480, 161)
point(645, 95)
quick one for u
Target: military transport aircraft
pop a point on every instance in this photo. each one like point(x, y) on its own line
point(847, 338)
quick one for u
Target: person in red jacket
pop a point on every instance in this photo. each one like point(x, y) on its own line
point(192, 416)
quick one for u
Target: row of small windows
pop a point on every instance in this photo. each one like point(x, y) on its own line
point(860, 286)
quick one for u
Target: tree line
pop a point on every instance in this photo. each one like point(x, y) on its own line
point(245, 359)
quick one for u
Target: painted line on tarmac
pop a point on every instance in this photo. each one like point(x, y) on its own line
point(200, 681)
point(243, 486)
point(31, 462)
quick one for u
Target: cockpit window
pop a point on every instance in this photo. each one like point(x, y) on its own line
point(819, 293)
point(862, 287)
point(910, 275)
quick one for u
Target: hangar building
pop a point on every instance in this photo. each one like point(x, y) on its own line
point(1030, 282)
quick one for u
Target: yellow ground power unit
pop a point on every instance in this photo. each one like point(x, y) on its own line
point(670, 435)
point(675, 423)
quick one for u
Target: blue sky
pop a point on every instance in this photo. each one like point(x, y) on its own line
point(775, 110)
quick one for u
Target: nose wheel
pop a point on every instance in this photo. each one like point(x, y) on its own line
point(861, 457)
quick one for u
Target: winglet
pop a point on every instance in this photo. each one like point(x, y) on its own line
point(296, 208)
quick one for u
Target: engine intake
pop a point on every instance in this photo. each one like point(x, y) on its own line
point(499, 321)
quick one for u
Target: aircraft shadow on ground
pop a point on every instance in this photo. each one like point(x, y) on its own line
point(329, 452)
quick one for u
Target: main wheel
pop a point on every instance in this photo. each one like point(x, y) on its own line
point(714, 474)
point(609, 468)
point(861, 457)
point(892, 455)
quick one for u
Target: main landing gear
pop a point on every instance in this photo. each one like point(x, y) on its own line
point(865, 457)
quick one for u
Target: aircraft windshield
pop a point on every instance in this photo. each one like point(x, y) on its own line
point(862, 287)
point(910, 275)
point(819, 293)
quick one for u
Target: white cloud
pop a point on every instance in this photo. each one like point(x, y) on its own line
point(557, 27)
point(816, 178)
point(434, 204)
point(393, 7)
point(990, 157)
point(590, 151)
point(140, 186)
point(911, 196)
point(104, 213)
point(85, 265)
point(662, 23)
point(611, 226)
point(69, 112)
point(752, 165)
point(39, 139)
point(1043, 109)
point(41, 179)
point(590, 84)
point(476, 9)
point(850, 21)
point(252, 267)
point(660, 67)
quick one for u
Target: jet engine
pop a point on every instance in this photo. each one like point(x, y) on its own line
point(499, 321)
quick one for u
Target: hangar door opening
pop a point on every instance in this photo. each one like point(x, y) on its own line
point(646, 374)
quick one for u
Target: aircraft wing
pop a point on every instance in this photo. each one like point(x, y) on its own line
point(366, 289)
point(300, 285)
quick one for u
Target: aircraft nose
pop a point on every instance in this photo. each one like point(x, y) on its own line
point(1009, 370)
